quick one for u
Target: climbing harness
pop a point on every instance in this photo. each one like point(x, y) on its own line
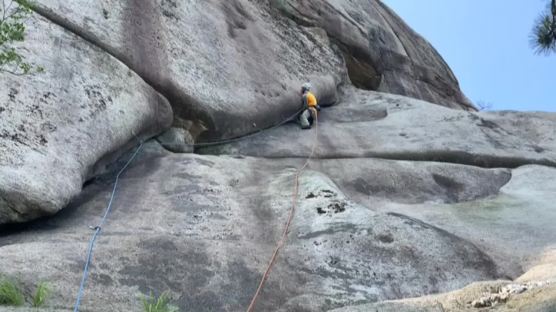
point(284, 237)
point(98, 229)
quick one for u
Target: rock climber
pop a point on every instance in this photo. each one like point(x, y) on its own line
point(310, 107)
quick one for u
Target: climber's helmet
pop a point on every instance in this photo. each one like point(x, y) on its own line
point(305, 87)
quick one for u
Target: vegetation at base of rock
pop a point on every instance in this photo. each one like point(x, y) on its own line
point(41, 294)
point(158, 304)
point(10, 293)
point(12, 30)
point(543, 38)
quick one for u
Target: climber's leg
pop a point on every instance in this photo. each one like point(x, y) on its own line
point(304, 119)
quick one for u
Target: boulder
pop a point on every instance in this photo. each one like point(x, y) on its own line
point(177, 140)
point(59, 128)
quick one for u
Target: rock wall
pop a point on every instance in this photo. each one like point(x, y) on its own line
point(404, 197)
point(231, 67)
point(381, 51)
point(204, 227)
point(58, 128)
point(226, 68)
point(371, 124)
point(236, 63)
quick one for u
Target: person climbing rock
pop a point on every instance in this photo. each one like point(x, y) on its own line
point(310, 107)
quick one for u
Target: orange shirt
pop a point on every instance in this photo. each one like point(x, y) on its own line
point(311, 100)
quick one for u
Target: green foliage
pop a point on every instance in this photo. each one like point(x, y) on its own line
point(41, 294)
point(10, 293)
point(543, 38)
point(158, 304)
point(13, 14)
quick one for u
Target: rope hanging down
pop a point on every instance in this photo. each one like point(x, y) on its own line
point(97, 230)
point(284, 237)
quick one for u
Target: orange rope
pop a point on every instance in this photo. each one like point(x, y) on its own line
point(282, 241)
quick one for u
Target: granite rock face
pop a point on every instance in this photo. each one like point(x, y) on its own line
point(204, 227)
point(412, 196)
point(381, 51)
point(230, 67)
point(226, 68)
point(60, 127)
point(226, 65)
point(371, 124)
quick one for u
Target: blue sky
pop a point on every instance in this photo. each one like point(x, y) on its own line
point(486, 43)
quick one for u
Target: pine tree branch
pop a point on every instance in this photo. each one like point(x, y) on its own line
point(554, 18)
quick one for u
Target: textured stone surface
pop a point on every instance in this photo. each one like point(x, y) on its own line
point(371, 124)
point(177, 140)
point(203, 227)
point(381, 51)
point(485, 296)
point(58, 127)
point(226, 65)
point(405, 198)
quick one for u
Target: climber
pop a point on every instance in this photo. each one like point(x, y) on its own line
point(310, 107)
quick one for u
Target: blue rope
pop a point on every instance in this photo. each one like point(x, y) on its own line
point(97, 229)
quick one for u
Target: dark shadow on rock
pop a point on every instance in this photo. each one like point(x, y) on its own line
point(89, 206)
